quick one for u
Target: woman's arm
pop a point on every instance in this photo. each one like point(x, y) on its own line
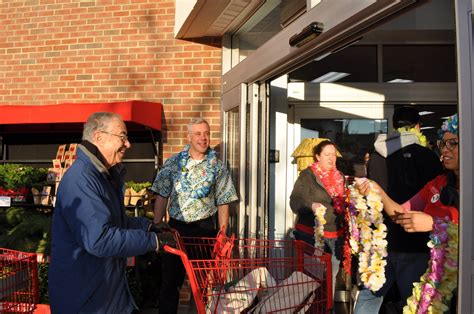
point(390, 206)
point(411, 221)
point(300, 198)
point(414, 219)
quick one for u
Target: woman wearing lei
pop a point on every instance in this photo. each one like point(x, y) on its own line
point(434, 208)
point(319, 201)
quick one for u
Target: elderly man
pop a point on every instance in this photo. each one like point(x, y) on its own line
point(198, 186)
point(91, 235)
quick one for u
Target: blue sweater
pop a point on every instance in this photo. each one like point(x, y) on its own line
point(91, 239)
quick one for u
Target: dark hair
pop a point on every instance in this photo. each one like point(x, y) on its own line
point(405, 116)
point(449, 194)
point(319, 148)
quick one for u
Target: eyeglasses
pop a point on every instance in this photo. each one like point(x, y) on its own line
point(123, 138)
point(449, 144)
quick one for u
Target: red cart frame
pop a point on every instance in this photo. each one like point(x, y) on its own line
point(18, 281)
point(254, 275)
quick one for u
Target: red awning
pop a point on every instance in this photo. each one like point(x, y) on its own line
point(140, 112)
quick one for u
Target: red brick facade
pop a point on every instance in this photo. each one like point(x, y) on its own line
point(97, 51)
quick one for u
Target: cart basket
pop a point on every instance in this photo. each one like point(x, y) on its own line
point(18, 281)
point(256, 276)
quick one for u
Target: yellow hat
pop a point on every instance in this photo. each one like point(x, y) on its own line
point(303, 154)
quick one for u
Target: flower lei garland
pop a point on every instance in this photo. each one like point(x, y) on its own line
point(433, 293)
point(449, 125)
point(367, 236)
point(319, 223)
point(209, 174)
point(421, 138)
point(333, 182)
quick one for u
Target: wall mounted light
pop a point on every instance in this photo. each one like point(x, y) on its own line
point(307, 34)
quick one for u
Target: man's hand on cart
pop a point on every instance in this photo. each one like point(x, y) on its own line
point(165, 238)
point(160, 227)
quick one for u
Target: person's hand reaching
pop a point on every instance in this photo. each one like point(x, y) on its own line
point(364, 186)
point(414, 221)
point(317, 206)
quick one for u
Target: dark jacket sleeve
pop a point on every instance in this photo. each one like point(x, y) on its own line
point(142, 223)
point(300, 202)
point(429, 165)
point(377, 170)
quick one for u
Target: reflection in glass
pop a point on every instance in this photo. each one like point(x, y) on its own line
point(353, 137)
point(419, 63)
point(233, 160)
point(270, 19)
point(352, 64)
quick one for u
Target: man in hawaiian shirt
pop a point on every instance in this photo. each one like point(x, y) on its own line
point(197, 185)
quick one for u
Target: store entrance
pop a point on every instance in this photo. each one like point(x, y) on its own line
point(355, 132)
point(354, 129)
point(353, 135)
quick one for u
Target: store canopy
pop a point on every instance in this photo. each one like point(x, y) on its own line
point(143, 113)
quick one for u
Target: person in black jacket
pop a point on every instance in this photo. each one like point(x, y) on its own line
point(321, 186)
point(401, 165)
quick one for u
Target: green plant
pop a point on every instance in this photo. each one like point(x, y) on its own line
point(14, 176)
point(137, 186)
point(43, 282)
point(25, 230)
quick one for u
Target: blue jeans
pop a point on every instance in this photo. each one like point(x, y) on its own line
point(367, 302)
point(403, 269)
point(329, 247)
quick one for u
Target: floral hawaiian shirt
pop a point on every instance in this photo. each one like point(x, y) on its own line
point(194, 188)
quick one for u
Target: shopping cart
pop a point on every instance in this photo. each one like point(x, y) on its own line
point(18, 281)
point(256, 276)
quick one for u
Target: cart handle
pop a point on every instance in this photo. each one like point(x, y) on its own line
point(224, 245)
point(172, 250)
point(179, 250)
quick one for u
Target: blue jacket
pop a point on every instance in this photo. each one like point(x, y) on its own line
point(91, 239)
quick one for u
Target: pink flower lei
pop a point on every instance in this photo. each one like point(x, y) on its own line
point(333, 182)
point(433, 293)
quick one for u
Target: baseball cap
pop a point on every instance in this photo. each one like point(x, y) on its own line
point(405, 116)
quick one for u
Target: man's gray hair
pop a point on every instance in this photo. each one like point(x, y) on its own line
point(98, 121)
point(194, 121)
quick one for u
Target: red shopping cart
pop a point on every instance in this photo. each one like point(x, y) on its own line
point(18, 281)
point(256, 276)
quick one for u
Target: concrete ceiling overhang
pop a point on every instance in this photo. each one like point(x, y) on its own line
point(211, 18)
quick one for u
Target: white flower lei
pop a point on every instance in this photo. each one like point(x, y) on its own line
point(371, 246)
point(319, 223)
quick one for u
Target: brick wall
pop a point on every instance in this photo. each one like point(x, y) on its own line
point(109, 50)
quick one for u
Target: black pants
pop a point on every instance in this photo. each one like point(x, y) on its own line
point(172, 268)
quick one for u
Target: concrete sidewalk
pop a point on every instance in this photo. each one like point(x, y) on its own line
point(191, 309)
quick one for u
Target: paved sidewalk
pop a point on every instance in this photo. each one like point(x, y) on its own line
point(181, 310)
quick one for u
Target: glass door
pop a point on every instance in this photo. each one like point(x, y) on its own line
point(354, 138)
point(234, 105)
point(232, 152)
point(352, 127)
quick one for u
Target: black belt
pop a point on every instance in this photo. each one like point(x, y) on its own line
point(190, 223)
point(199, 228)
